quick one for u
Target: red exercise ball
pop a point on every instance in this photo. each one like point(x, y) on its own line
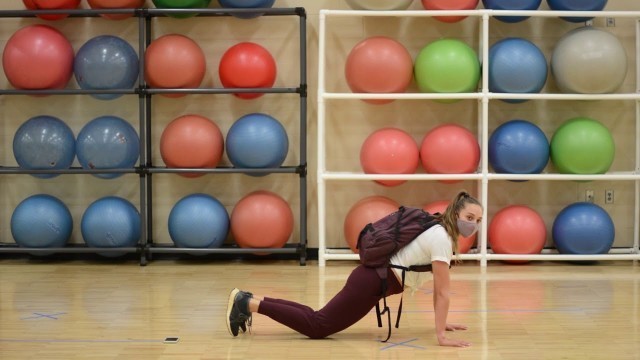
point(450, 149)
point(464, 243)
point(51, 5)
point(247, 65)
point(116, 4)
point(365, 211)
point(174, 61)
point(450, 5)
point(38, 57)
point(517, 229)
point(262, 219)
point(389, 151)
point(379, 65)
point(191, 141)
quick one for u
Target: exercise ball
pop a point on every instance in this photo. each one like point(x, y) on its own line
point(198, 221)
point(511, 5)
point(516, 65)
point(379, 4)
point(577, 5)
point(41, 221)
point(389, 151)
point(450, 5)
point(583, 228)
point(51, 5)
point(174, 61)
point(38, 57)
point(108, 142)
point(582, 146)
point(191, 141)
point(247, 65)
point(181, 4)
point(517, 229)
point(44, 143)
point(110, 222)
point(447, 66)
point(246, 4)
point(262, 219)
point(588, 60)
point(116, 4)
point(106, 63)
point(363, 212)
point(450, 149)
point(378, 65)
point(257, 140)
point(518, 147)
point(464, 243)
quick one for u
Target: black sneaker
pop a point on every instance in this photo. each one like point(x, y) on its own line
point(238, 315)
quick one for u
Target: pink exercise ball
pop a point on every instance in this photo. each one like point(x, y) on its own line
point(365, 211)
point(262, 219)
point(247, 65)
point(38, 57)
point(464, 243)
point(174, 61)
point(191, 141)
point(389, 151)
point(517, 229)
point(450, 5)
point(450, 149)
point(379, 65)
point(116, 4)
point(51, 5)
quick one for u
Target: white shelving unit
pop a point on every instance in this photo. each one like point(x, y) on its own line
point(483, 177)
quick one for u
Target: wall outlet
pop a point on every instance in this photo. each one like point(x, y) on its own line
point(608, 196)
point(611, 22)
point(588, 196)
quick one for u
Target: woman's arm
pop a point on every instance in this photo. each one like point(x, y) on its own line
point(441, 305)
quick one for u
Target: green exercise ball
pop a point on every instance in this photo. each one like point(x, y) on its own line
point(582, 146)
point(379, 4)
point(447, 66)
point(182, 4)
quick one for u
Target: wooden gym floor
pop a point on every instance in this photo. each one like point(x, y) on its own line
point(81, 309)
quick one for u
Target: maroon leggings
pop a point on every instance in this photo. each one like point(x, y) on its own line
point(358, 296)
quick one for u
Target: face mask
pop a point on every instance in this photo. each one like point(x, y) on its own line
point(467, 228)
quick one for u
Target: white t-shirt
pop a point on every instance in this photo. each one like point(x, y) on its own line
point(434, 244)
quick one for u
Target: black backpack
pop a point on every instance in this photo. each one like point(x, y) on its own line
point(380, 240)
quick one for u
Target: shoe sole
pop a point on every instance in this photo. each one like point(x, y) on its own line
point(232, 297)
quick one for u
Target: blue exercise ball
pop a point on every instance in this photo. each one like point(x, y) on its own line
point(108, 142)
point(111, 222)
point(257, 140)
point(583, 228)
point(106, 62)
point(518, 147)
point(44, 143)
point(577, 5)
point(198, 221)
point(41, 221)
point(516, 65)
point(246, 4)
point(511, 5)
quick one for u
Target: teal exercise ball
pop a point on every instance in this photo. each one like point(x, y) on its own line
point(447, 66)
point(582, 146)
point(379, 4)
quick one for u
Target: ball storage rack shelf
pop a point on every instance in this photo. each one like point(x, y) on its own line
point(146, 246)
point(483, 176)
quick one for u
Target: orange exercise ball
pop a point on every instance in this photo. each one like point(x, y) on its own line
point(517, 229)
point(191, 141)
point(450, 149)
point(464, 243)
point(51, 5)
point(365, 211)
point(450, 5)
point(262, 219)
point(379, 65)
point(174, 61)
point(116, 4)
point(38, 57)
point(389, 151)
point(247, 65)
